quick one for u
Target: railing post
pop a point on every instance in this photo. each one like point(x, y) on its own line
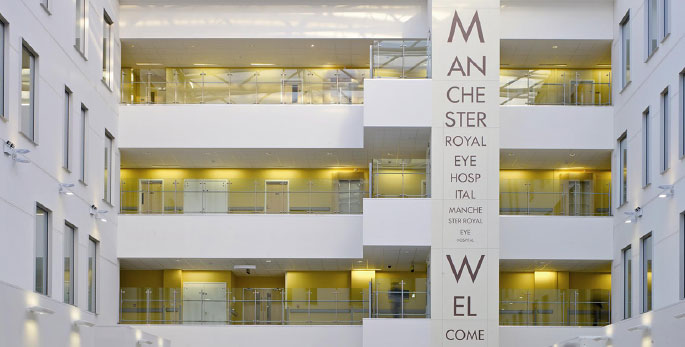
point(309, 306)
point(575, 308)
point(370, 293)
point(402, 299)
point(147, 87)
point(527, 308)
point(175, 196)
point(229, 87)
point(376, 300)
point(147, 305)
point(336, 306)
point(402, 45)
point(202, 89)
point(563, 307)
point(283, 295)
point(337, 86)
point(256, 88)
point(370, 62)
point(173, 292)
point(228, 307)
point(121, 305)
point(121, 87)
point(255, 306)
point(175, 87)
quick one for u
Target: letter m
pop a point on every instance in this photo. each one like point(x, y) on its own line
point(465, 263)
point(466, 33)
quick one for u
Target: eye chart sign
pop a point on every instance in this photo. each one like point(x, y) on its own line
point(465, 173)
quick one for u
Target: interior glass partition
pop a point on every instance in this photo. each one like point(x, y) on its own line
point(581, 87)
point(400, 178)
point(401, 59)
point(555, 307)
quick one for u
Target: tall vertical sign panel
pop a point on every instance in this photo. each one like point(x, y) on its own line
point(465, 173)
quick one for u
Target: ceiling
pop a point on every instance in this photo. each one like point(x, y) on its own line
point(240, 52)
point(385, 143)
point(530, 265)
point(378, 258)
point(589, 159)
point(555, 53)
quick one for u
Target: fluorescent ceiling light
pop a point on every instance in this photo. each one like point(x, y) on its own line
point(262, 64)
point(148, 64)
point(203, 64)
point(244, 267)
point(556, 65)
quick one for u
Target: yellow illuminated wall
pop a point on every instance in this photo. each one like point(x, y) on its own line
point(552, 192)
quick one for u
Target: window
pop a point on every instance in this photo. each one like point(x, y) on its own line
point(45, 4)
point(28, 77)
point(92, 274)
point(42, 247)
point(70, 245)
point(107, 50)
point(627, 255)
point(682, 255)
point(3, 51)
point(84, 132)
point(67, 129)
point(109, 144)
point(625, 50)
point(666, 20)
point(652, 26)
point(665, 127)
point(623, 168)
point(682, 113)
point(80, 42)
point(647, 278)
point(646, 179)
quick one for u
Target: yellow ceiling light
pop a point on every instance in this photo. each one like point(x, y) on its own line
point(149, 64)
point(262, 64)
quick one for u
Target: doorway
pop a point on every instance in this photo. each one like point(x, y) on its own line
point(151, 196)
point(350, 196)
point(277, 196)
point(204, 302)
point(205, 196)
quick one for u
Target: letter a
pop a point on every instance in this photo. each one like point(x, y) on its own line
point(465, 262)
point(466, 33)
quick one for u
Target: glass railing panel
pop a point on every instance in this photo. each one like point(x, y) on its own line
point(589, 87)
point(400, 178)
point(400, 59)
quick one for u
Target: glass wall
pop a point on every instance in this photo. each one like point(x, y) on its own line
point(401, 59)
point(400, 178)
point(555, 192)
point(243, 86)
point(590, 87)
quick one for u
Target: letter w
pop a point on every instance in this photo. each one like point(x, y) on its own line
point(466, 33)
point(465, 262)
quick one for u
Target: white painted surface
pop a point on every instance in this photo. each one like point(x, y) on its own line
point(240, 236)
point(241, 126)
point(397, 102)
point(557, 127)
point(557, 20)
point(237, 19)
point(397, 222)
point(548, 336)
point(556, 237)
point(396, 332)
point(256, 335)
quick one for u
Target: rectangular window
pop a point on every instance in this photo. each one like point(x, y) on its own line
point(84, 132)
point(70, 246)
point(682, 113)
point(109, 144)
point(646, 179)
point(45, 4)
point(67, 129)
point(92, 274)
point(652, 26)
point(80, 42)
point(623, 168)
point(665, 127)
point(682, 255)
point(666, 20)
point(647, 278)
point(42, 247)
point(28, 86)
point(627, 255)
point(3, 51)
point(107, 50)
point(625, 50)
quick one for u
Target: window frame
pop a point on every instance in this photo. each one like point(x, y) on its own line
point(625, 32)
point(623, 169)
point(652, 27)
point(109, 167)
point(682, 255)
point(70, 228)
point(92, 273)
point(81, 22)
point(33, 72)
point(4, 52)
point(665, 138)
point(45, 4)
point(66, 131)
point(84, 144)
point(646, 292)
point(646, 158)
point(681, 113)
point(627, 260)
point(665, 13)
point(107, 50)
point(45, 278)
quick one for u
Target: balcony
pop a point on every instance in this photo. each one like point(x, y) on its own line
point(555, 307)
point(567, 87)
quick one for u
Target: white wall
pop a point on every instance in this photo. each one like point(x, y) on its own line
point(240, 236)
point(241, 126)
point(556, 237)
point(121, 335)
point(397, 222)
point(547, 336)
point(397, 102)
point(256, 335)
point(557, 20)
point(268, 19)
point(556, 127)
point(59, 64)
point(396, 332)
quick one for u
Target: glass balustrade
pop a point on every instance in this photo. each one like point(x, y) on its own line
point(268, 306)
point(401, 59)
point(242, 86)
point(400, 178)
point(570, 194)
point(236, 195)
point(588, 87)
point(555, 307)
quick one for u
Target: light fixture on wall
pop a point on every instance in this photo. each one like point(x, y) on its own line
point(640, 327)
point(17, 154)
point(84, 323)
point(40, 310)
point(667, 191)
point(679, 315)
point(143, 342)
point(94, 211)
point(633, 215)
point(64, 188)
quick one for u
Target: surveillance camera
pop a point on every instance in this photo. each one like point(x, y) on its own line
point(389, 266)
point(411, 268)
point(248, 271)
